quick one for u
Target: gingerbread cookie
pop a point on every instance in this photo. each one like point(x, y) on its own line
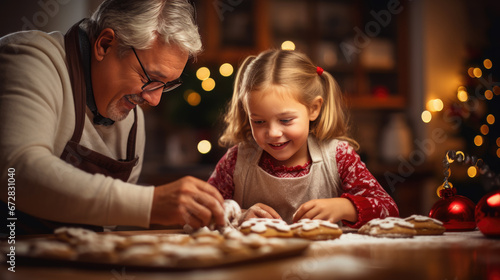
point(266, 227)
point(52, 250)
point(316, 229)
point(75, 236)
point(426, 225)
point(389, 227)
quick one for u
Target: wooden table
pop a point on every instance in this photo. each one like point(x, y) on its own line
point(454, 255)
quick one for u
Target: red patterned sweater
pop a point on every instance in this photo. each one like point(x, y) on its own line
point(357, 183)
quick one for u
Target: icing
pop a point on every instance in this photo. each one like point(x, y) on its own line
point(420, 218)
point(390, 223)
point(260, 225)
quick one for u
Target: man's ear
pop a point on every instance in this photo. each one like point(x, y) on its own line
point(315, 108)
point(104, 41)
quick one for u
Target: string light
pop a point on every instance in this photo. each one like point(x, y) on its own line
point(203, 73)
point(288, 45)
point(472, 171)
point(488, 94)
point(484, 129)
point(478, 140)
point(487, 64)
point(470, 71)
point(204, 146)
point(226, 69)
point(462, 94)
point(426, 116)
point(435, 105)
point(208, 84)
point(490, 119)
point(477, 72)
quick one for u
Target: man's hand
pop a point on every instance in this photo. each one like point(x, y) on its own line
point(260, 210)
point(188, 201)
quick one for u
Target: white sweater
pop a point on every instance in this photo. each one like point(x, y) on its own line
point(37, 119)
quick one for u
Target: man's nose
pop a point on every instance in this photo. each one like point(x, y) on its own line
point(152, 97)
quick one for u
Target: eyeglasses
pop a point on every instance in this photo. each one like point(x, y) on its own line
point(152, 85)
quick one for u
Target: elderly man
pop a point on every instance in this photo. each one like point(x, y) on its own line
point(72, 135)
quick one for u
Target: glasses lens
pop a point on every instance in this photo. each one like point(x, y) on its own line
point(172, 85)
point(152, 86)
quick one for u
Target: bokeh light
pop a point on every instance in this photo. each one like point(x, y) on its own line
point(288, 45)
point(477, 72)
point(226, 69)
point(203, 73)
point(426, 116)
point(472, 171)
point(208, 84)
point(488, 94)
point(484, 129)
point(487, 64)
point(462, 95)
point(435, 105)
point(478, 140)
point(204, 146)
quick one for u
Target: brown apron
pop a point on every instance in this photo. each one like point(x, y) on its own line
point(76, 154)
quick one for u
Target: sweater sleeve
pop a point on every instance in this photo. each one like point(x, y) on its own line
point(361, 188)
point(37, 113)
point(222, 177)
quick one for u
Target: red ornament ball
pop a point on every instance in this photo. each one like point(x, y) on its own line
point(455, 211)
point(488, 214)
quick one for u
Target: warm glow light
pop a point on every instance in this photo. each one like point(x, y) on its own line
point(202, 73)
point(498, 152)
point(226, 69)
point(462, 96)
point(288, 45)
point(488, 94)
point(478, 140)
point(477, 72)
point(426, 116)
point(490, 119)
point(484, 129)
point(208, 84)
point(472, 171)
point(470, 71)
point(193, 98)
point(435, 105)
point(487, 64)
point(498, 142)
point(496, 90)
point(204, 146)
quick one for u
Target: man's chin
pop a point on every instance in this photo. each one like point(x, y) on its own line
point(118, 115)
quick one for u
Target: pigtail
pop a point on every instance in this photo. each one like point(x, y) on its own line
point(332, 123)
point(236, 120)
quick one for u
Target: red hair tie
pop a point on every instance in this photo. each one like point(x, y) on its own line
point(319, 70)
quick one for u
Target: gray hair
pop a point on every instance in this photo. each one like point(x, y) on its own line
point(137, 23)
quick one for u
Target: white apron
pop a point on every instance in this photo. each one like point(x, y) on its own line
point(285, 195)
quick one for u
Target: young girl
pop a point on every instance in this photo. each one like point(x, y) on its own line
point(290, 156)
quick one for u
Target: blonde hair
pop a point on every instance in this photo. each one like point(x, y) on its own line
point(294, 71)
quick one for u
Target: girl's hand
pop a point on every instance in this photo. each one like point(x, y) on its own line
point(260, 210)
point(330, 209)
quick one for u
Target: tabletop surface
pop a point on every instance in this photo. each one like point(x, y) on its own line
point(453, 255)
